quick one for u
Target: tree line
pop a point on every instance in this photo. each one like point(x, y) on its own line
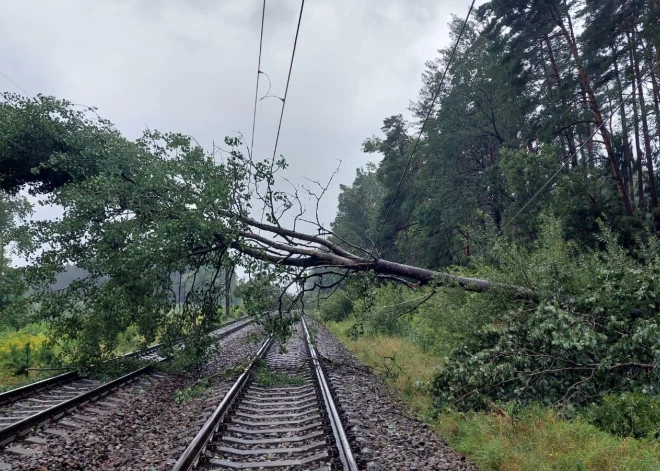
point(535, 88)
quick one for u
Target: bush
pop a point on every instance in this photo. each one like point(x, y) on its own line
point(628, 415)
point(25, 348)
point(596, 329)
point(337, 307)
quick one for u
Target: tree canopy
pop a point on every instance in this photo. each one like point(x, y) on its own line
point(550, 113)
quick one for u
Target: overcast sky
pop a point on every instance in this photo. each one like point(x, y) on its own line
point(190, 67)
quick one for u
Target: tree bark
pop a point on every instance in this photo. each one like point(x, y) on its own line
point(228, 276)
point(641, 203)
point(555, 72)
point(624, 129)
point(598, 118)
point(647, 137)
point(326, 254)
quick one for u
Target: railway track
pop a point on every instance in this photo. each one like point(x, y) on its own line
point(23, 408)
point(278, 415)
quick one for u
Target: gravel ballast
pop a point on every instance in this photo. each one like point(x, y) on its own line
point(386, 435)
point(139, 427)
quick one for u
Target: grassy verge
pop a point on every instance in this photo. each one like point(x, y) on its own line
point(538, 439)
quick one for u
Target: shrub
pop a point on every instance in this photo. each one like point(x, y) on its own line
point(628, 415)
point(597, 329)
point(337, 307)
point(25, 348)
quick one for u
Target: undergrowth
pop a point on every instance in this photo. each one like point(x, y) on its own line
point(535, 438)
point(269, 378)
point(198, 389)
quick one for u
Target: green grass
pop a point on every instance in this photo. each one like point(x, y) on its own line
point(537, 439)
point(272, 379)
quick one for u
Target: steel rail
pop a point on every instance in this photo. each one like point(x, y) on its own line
point(10, 433)
point(21, 427)
point(14, 395)
point(158, 346)
point(341, 439)
point(195, 449)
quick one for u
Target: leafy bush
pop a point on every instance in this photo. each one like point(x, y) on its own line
point(129, 340)
point(25, 348)
point(627, 415)
point(434, 318)
point(185, 395)
point(596, 331)
point(337, 307)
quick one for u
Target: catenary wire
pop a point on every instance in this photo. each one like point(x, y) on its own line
point(14, 83)
point(256, 90)
point(421, 131)
point(288, 79)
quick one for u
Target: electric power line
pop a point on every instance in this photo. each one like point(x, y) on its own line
point(286, 91)
point(256, 90)
point(288, 79)
point(14, 83)
point(421, 131)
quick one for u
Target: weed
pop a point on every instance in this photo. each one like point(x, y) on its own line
point(272, 379)
point(253, 337)
point(538, 439)
point(627, 415)
point(199, 388)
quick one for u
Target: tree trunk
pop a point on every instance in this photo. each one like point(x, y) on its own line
point(598, 118)
point(638, 148)
point(656, 102)
point(624, 129)
point(228, 276)
point(647, 137)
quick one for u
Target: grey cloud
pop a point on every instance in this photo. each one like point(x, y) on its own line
point(190, 66)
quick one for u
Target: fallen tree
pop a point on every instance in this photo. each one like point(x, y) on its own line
point(136, 212)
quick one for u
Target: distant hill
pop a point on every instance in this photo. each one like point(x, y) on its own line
point(73, 273)
point(69, 275)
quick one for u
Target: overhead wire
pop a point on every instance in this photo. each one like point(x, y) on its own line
point(426, 118)
point(286, 91)
point(14, 83)
point(256, 90)
point(288, 79)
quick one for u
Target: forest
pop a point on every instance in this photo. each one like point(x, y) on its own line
point(537, 168)
point(508, 228)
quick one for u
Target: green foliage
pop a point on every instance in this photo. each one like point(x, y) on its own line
point(19, 358)
point(253, 337)
point(133, 213)
point(268, 378)
point(336, 307)
point(379, 310)
point(358, 208)
point(25, 348)
point(541, 439)
point(48, 143)
point(436, 318)
point(129, 341)
point(536, 438)
point(627, 415)
point(185, 395)
point(15, 311)
point(110, 369)
point(567, 349)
